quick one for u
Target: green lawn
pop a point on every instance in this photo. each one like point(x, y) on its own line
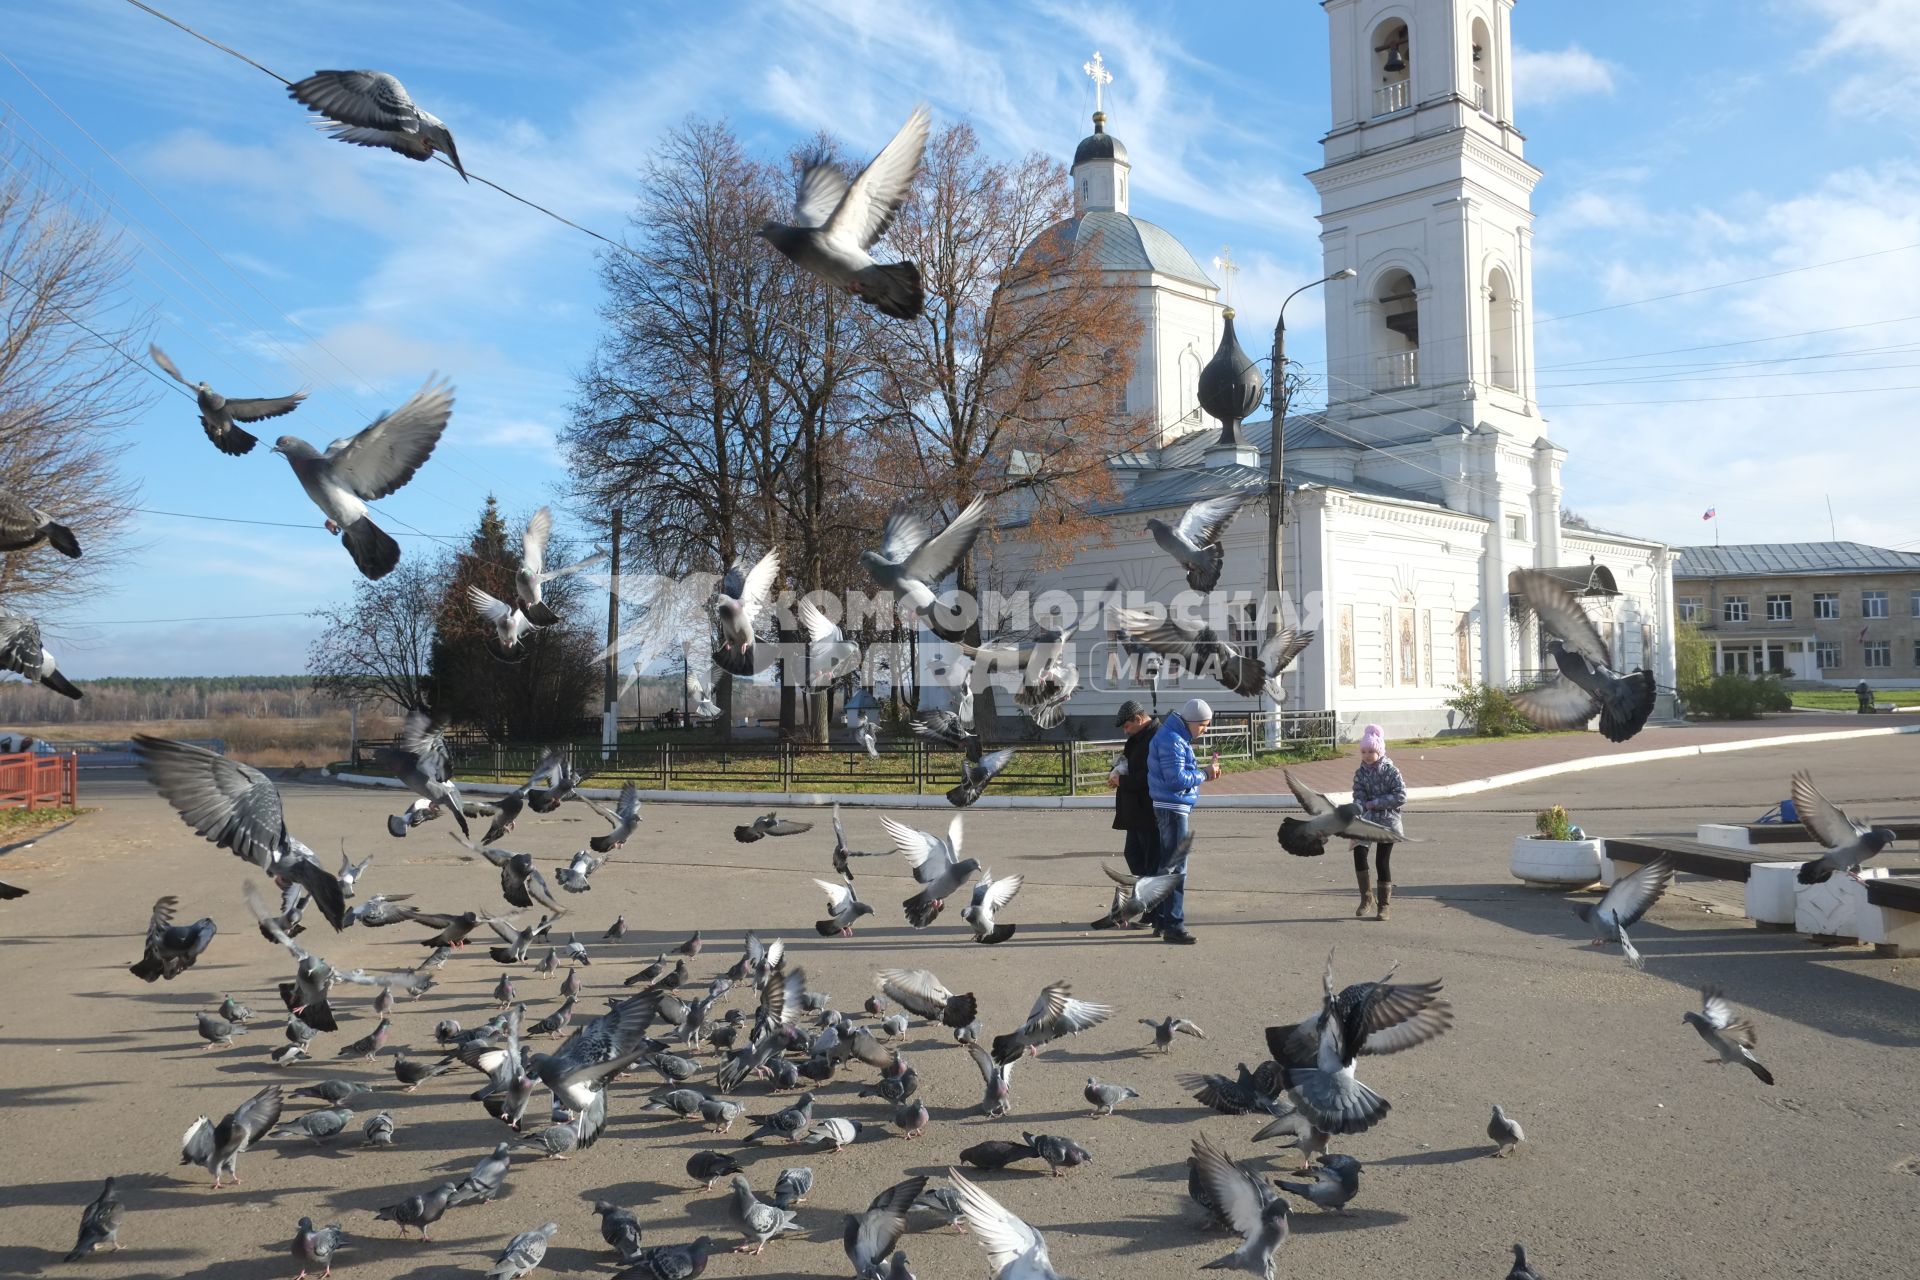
point(1844, 699)
point(18, 824)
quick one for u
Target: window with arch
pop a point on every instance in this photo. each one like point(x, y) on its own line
point(1483, 79)
point(1393, 68)
point(1396, 331)
point(1503, 356)
point(1189, 385)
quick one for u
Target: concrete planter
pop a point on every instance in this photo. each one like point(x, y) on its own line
point(1772, 896)
point(1833, 908)
point(1557, 864)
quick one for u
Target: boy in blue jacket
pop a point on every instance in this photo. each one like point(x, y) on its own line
point(1174, 776)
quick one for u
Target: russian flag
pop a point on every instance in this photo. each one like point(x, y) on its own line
point(1709, 514)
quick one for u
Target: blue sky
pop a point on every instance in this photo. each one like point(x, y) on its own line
point(1686, 145)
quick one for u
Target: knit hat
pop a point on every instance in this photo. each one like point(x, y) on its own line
point(1374, 738)
point(1128, 710)
point(1196, 711)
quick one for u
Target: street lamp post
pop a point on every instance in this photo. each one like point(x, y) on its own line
point(1276, 463)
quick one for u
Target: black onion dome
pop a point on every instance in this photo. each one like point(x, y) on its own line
point(1098, 145)
point(1230, 385)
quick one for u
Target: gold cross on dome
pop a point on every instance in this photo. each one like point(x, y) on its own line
point(1098, 73)
point(1228, 269)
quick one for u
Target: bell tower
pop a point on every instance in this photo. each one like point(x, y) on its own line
point(1426, 194)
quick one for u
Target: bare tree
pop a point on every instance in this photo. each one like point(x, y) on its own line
point(380, 644)
point(67, 387)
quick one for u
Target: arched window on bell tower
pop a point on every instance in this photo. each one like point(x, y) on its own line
point(1484, 51)
point(1396, 331)
point(1393, 65)
point(1503, 356)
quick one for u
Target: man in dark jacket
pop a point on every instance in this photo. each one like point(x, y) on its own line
point(1132, 806)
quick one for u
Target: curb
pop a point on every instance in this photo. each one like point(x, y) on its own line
point(1251, 800)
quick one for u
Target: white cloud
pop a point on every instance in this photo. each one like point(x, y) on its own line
point(1544, 76)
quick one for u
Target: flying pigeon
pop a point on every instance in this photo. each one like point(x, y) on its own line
point(1391, 1017)
point(870, 1237)
point(742, 600)
point(307, 995)
point(23, 525)
point(1327, 1091)
point(574, 877)
point(172, 948)
point(523, 1253)
point(22, 652)
point(1194, 542)
point(217, 1147)
point(1049, 673)
point(313, 1244)
point(769, 824)
point(623, 818)
point(911, 561)
point(368, 466)
point(99, 1224)
point(835, 223)
point(533, 573)
point(1307, 838)
point(759, 1221)
point(234, 806)
point(843, 908)
point(699, 697)
point(976, 771)
point(841, 853)
point(1137, 895)
point(507, 626)
point(936, 865)
point(421, 760)
point(350, 871)
point(1848, 843)
point(1163, 1031)
point(1629, 898)
point(218, 414)
point(1055, 1014)
point(420, 1210)
point(507, 809)
point(1336, 1181)
point(1015, 1251)
point(372, 109)
point(867, 734)
point(1732, 1039)
point(1504, 1131)
point(1241, 1200)
point(997, 1077)
point(989, 896)
point(919, 992)
point(830, 655)
point(1104, 1097)
point(1587, 683)
point(1202, 651)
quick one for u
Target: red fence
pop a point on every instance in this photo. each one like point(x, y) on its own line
point(38, 782)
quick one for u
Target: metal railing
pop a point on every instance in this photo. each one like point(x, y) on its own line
point(33, 781)
point(1389, 98)
point(1397, 369)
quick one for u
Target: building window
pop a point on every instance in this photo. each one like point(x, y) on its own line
point(1733, 609)
point(1826, 605)
point(1873, 604)
point(1913, 603)
point(1692, 609)
point(1243, 628)
point(1876, 653)
point(1517, 526)
point(1916, 653)
point(1826, 654)
point(1779, 608)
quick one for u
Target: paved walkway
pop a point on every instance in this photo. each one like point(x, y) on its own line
point(1444, 766)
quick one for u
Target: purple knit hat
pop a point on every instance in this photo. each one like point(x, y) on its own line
point(1375, 738)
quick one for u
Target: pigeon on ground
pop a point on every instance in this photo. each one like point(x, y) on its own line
point(623, 818)
point(22, 653)
point(843, 909)
point(720, 1114)
point(1587, 683)
point(792, 1187)
point(1522, 1270)
point(421, 1209)
point(1015, 1251)
point(912, 1118)
point(835, 222)
point(372, 109)
point(217, 1147)
point(23, 526)
point(488, 1176)
point(313, 1244)
point(366, 1046)
point(920, 993)
point(1625, 901)
point(1732, 1039)
point(288, 1054)
point(234, 806)
point(1307, 837)
point(1104, 1097)
point(1194, 542)
point(1336, 1180)
point(670, 1261)
point(1202, 651)
point(870, 1237)
point(620, 1229)
point(367, 466)
point(558, 1141)
point(414, 1074)
point(217, 1031)
point(1848, 843)
point(1242, 1202)
point(233, 1011)
point(99, 1224)
point(616, 931)
point(943, 1202)
point(997, 1153)
point(1059, 1153)
point(1230, 1097)
point(523, 1253)
point(1049, 672)
point(989, 896)
point(759, 1222)
point(830, 655)
point(1505, 1132)
point(576, 951)
point(171, 948)
point(769, 824)
point(533, 574)
point(840, 1133)
point(743, 598)
point(299, 1033)
point(1290, 1122)
point(788, 1122)
point(1164, 1031)
point(911, 561)
point(709, 1167)
point(1137, 895)
point(936, 864)
point(218, 414)
point(1054, 1014)
point(328, 1122)
point(333, 1092)
point(378, 1131)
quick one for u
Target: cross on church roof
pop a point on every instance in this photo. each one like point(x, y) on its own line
point(1098, 73)
point(1228, 269)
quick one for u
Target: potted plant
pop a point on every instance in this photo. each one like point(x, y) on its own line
point(1558, 855)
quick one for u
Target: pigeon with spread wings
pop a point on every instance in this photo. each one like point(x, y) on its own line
point(1307, 838)
point(1202, 651)
point(373, 109)
point(171, 948)
point(23, 653)
point(23, 525)
point(1732, 1039)
point(1388, 1017)
point(1848, 843)
point(1015, 1251)
point(218, 414)
point(1055, 1014)
point(1587, 684)
point(835, 222)
point(217, 1147)
point(743, 597)
point(623, 818)
point(1194, 541)
point(1625, 901)
point(419, 758)
point(1244, 1202)
point(307, 995)
point(1048, 667)
point(989, 896)
point(936, 864)
point(530, 580)
point(911, 561)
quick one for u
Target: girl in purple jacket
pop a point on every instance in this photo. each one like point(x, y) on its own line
point(1381, 793)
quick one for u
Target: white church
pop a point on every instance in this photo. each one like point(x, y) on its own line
point(1430, 476)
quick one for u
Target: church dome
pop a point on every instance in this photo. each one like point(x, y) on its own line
point(1099, 145)
point(1118, 242)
